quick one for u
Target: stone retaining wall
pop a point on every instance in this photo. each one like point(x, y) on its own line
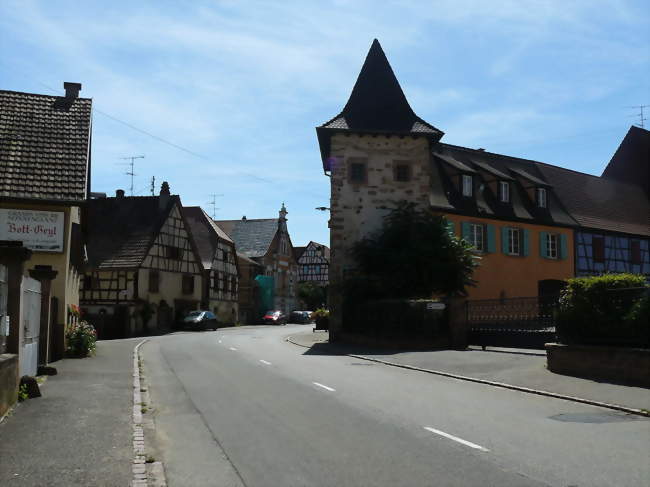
point(616, 364)
point(8, 381)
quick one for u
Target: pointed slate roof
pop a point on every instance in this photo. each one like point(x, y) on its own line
point(377, 104)
point(631, 162)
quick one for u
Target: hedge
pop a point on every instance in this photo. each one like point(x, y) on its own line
point(611, 309)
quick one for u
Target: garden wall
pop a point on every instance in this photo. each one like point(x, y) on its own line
point(617, 364)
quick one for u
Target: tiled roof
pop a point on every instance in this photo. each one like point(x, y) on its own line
point(44, 146)
point(487, 166)
point(205, 232)
point(120, 231)
point(252, 237)
point(601, 203)
point(297, 251)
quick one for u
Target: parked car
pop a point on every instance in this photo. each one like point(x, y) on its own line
point(274, 317)
point(300, 317)
point(200, 320)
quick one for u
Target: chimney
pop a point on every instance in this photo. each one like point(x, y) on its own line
point(72, 90)
point(119, 193)
point(163, 199)
point(243, 218)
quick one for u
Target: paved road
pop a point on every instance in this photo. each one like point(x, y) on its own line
point(242, 407)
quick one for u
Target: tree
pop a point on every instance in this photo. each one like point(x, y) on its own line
point(313, 295)
point(413, 255)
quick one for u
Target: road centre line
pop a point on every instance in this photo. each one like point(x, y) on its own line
point(324, 387)
point(233, 349)
point(455, 438)
point(265, 362)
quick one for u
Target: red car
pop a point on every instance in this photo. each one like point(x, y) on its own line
point(274, 317)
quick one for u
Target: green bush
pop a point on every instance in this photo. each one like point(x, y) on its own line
point(611, 309)
point(81, 339)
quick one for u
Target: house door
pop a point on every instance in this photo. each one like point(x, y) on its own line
point(31, 314)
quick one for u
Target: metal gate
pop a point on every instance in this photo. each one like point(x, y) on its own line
point(4, 330)
point(31, 314)
point(513, 322)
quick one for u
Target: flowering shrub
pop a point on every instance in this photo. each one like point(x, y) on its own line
point(81, 339)
point(322, 318)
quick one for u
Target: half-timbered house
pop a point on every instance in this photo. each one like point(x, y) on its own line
point(267, 242)
point(313, 263)
point(220, 277)
point(144, 272)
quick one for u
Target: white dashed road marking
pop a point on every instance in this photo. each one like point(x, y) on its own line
point(265, 362)
point(455, 438)
point(324, 387)
point(233, 349)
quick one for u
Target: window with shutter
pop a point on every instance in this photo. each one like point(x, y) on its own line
point(188, 284)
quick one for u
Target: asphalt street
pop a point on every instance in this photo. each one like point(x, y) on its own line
point(242, 407)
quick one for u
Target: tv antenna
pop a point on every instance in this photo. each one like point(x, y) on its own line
point(642, 119)
point(214, 204)
point(132, 164)
point(152, 188)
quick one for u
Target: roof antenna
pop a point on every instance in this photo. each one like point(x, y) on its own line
point(214, 205)
point(642, 119)
point(132, 164)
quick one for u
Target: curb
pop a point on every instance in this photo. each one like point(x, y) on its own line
point(503, 385)
point(142, 476)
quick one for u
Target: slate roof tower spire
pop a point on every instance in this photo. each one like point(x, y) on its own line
point(376, 105)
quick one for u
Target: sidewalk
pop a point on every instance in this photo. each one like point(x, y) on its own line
point(522, 368)
point(79, 432)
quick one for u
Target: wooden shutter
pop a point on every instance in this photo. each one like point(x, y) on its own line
point(464, 227)
point(504, 240)
point(635, 252)
point(491, 239)
point(598, 248)
point(154, 281)
point(563, 246)
point(542, 244)
point(524, 244)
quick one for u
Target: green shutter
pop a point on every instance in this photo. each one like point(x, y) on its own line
point(542, 244)
point(491, 239)
point(504, 240)
point(525, 235)
point(450, 227)
point(464, 231)
point(563, 249)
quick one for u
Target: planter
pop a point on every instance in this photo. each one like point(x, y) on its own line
point(616, 364)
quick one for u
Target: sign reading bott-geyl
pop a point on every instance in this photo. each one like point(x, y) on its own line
point(41, 231)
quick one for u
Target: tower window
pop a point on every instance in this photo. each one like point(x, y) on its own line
point(358, 172)
point(402, 172)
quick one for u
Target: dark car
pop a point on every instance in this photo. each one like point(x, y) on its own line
point(300, 317)
point(200, 320)
point(274, 317)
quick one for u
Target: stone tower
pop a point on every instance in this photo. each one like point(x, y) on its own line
point(376, 151)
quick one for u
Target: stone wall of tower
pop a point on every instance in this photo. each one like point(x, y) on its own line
point(357, 209)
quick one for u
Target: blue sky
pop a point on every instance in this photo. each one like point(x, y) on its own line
point(242, 84)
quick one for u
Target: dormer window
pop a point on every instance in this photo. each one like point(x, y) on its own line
point(504, 192)
point(541, 198)
point(467, 185)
